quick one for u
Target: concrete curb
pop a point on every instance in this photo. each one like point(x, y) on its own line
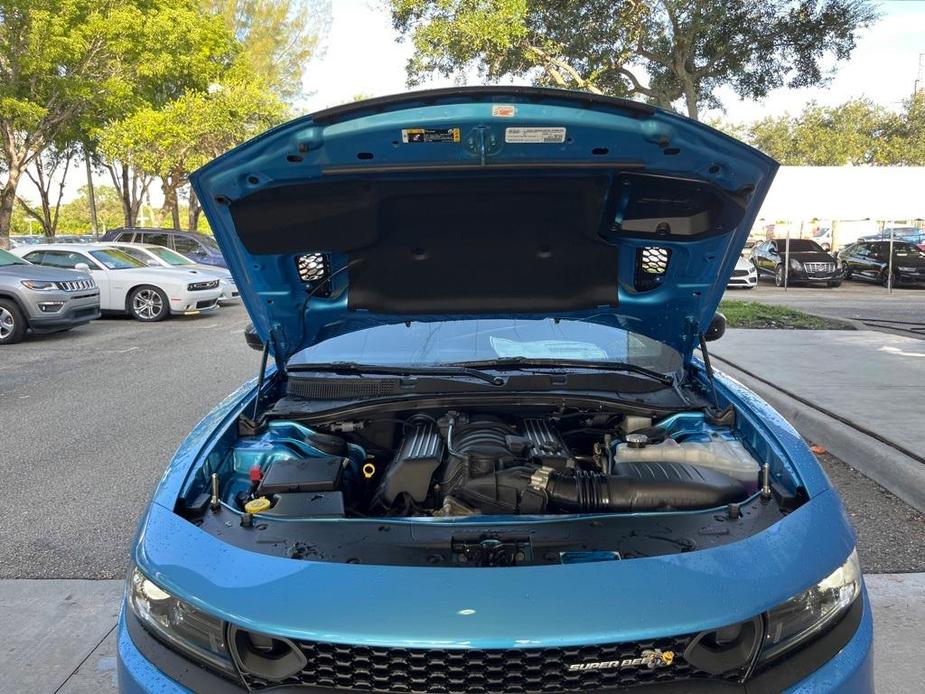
point(889, 467)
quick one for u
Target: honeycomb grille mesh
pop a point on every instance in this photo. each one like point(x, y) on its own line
point(651, 266)
point(315, 270)
point(341, 667)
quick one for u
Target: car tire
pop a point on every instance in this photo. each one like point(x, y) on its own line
point(12, 323)
point(779, 276)
point(846, 271)
point(884, 278)
point(148, 304)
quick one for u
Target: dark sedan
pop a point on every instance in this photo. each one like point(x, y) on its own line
point(808, 262)
point(870, 260)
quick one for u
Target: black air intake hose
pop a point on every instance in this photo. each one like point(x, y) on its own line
point(589, 492)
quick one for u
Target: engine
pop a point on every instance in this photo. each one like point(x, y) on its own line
point(464, 465)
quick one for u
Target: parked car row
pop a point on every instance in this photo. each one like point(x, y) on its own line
point(55, 287)
point(803, 261)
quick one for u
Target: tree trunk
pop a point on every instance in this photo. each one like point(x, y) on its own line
point(690, 98)
point(193, 211)
point(171, 201)
point(7, 200)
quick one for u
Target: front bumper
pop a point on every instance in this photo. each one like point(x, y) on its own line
point(67, 310)
point(189, 303)
point(145, 665)
point(749, 279)
point(230, 292)
point(804, 277)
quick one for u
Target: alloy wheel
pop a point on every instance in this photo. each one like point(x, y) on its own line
point(779, 276)
point(147, 304)
point(7, 324)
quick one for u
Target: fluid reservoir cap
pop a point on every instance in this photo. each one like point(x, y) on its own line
point(258, 505)
point(637, 440)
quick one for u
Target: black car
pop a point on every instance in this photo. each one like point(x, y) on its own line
point(809, 263)
point(870, 260)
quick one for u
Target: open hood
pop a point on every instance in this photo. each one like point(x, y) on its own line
point(484, 202)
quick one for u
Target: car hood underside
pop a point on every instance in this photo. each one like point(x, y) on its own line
point(484, 202)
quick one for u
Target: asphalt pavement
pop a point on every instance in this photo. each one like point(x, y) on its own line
point(89, 420)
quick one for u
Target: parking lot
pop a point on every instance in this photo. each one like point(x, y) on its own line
point(92, 417)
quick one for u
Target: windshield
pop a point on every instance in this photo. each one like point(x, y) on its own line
point(209, 243)
point(171, 257)
point(7, 258)
point(451, 342)
point(116, 260)
point(798, 245)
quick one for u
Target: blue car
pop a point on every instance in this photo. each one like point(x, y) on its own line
point(479, 453)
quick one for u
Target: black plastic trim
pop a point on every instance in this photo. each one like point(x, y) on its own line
point(487, 93)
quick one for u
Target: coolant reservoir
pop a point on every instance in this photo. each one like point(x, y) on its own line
point(728, 456)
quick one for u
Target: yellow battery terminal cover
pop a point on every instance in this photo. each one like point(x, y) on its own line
point(258, 505)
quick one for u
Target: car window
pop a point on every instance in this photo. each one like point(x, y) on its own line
point(114, 259)
point(137, 254)
point(7, 258)
point(158, 239)
point(170, 256)
point(65, 259)
point(907, 250)
point(798, 245)
point(187, 246)
point(125, 236)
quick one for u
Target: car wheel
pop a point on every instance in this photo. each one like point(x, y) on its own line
point(779, 276)
point(846, 270)
point(12, 323)
point(148, 304)
point(885, 278)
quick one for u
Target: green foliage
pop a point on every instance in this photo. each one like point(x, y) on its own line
point(663, 50)
point(856, 132)
point(277, 37)
point(752, 314)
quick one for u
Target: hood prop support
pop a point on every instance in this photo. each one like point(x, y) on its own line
point(709, 369)
point(249, 426)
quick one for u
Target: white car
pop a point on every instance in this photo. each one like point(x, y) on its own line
point(159, 256)
point(745, 274)
point(128, 285)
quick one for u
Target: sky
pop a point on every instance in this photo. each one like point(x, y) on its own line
point(361, 55)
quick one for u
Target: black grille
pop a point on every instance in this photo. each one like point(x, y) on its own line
point(340, 388)
point(446, 671)
point(651, 266)
point(76, 285)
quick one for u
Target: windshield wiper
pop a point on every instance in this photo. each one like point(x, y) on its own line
point(527, 363)
point(356, 368)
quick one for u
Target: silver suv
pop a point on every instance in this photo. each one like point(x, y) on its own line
point(43, 299)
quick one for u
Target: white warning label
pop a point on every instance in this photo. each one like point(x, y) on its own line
point(547, 135)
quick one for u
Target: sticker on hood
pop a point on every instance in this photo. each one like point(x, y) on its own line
point(542, 135)
point(503, 111)
point(430, 135)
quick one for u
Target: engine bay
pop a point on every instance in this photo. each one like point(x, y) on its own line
point(433, 485)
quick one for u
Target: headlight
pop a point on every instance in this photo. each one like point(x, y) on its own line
point(179, 625)
point(810, 612)
point(39, 286)
point(795, 264)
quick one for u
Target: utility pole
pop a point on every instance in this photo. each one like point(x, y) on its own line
point(91, 195)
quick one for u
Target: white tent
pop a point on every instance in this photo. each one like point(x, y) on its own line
point(883, 193)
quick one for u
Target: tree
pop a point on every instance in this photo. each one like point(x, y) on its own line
point(48, 173)
point(854, 133)
point(278, 37)
point(172, 141)
point(663, 51)
point(67, 65)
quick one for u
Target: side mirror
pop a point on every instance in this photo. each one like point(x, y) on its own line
point(717, 328)
point(252, 338)
point(83, 267)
